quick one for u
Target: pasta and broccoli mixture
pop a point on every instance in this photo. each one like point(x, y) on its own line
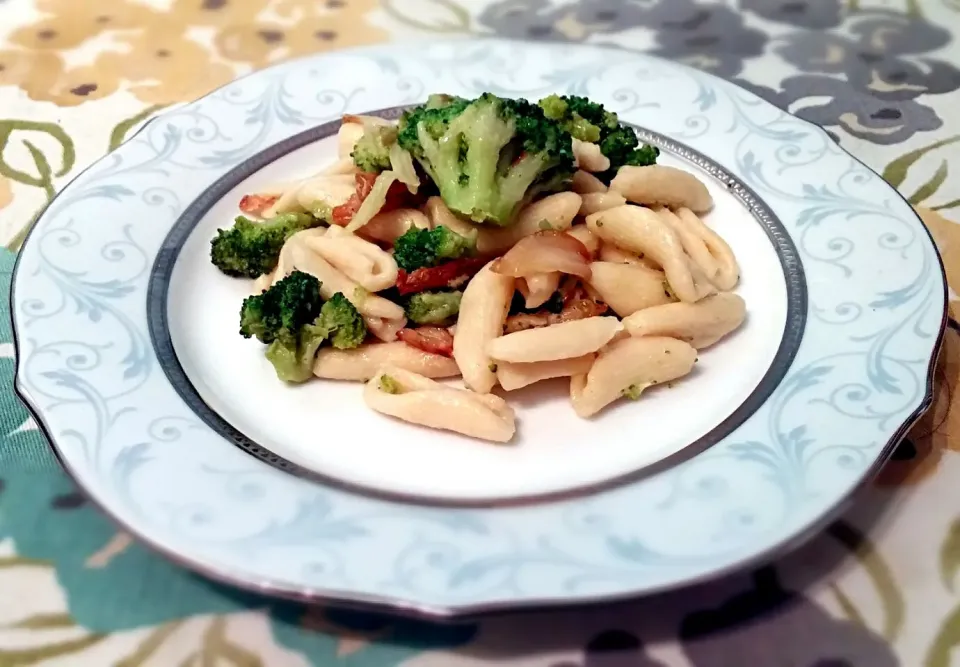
point(493, 239)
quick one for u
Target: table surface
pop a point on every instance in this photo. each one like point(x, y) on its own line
point(878, 588)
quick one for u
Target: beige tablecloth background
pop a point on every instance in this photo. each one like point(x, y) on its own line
point(879, 588)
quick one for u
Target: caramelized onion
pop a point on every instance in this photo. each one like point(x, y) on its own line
point(545, 252)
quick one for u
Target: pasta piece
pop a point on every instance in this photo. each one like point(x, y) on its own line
point(557, 341)
point(383, 318)
point(285, 262)
point(584, 183)
point(361, 261)
point(263, 283)
point(440, 215)
point(554, 212)
point(362, 363)
point(325, 191)
point(728, 271)
point(629, 366)
point(517, 376)
point(611, 253)
point(419, 400)
point(589, 157)
point(627, 288)
point(483, 310)
point(385, 328)
point(347, 138)
point(389, 226)
point(538, 288)
point(700, 324)
point(600, 201)
point(340, 167)
point(287, 201)
point(664, 186)
point(701, 284)
point(643, 232)
point(589, 240)
point(692, 243)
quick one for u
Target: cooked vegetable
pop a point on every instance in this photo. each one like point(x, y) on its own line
point(389, 385)
point(257, 204)
point(435, 340)
point(633, 392)
point(545, 252)
point(557, 108)
point(372, 152)
point(293, 321)
point(487, 156)
point(419, 248)
point(345, 325)
point(249, 249)
point(449, 274)
point(579, 116)
point(433, 307)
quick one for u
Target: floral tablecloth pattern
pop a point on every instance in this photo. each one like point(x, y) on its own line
point(880, 587)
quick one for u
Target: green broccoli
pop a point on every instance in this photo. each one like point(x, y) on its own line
point(623, 149)
point(281, 311)
point(249, 249)
point(372, 152)
point(418, 248)
point(633, 392)
point(558, 109)
point(389, 385)
point(619, 143)
point(487, 156)
point(343, 322)
point(433, 307)
point(292, 320)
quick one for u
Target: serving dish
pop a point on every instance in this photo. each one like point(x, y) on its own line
point(158, 422)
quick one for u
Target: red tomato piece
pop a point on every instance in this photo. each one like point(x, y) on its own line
point(438, 277)
point(435, 340)
point(397, 197)
point(257, 204)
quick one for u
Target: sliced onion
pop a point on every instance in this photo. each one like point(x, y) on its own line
point(401, 162)
point(545, 252)
point(373, 202)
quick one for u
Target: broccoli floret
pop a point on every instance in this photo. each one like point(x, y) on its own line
point(372, 152)
point(633, 392)
point(343, 322)
point(623, 148)
point(249, 249)
point(433, 307)
point(418, 248)
point(618, 142)
point(293, 321)
point(389, 385)
point(558, 109)
point(487, 156)
point(281, 311)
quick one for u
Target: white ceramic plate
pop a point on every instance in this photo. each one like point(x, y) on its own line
point(177, 427)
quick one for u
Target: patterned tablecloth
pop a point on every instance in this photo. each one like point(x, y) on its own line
point(880, 587)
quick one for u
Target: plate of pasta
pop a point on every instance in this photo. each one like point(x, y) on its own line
point(425, 329)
